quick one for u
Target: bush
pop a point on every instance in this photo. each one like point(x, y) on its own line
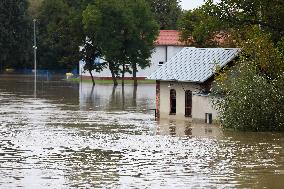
point(250, 102)
point(250, 96)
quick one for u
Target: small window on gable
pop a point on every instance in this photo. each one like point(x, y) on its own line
point(161, 63)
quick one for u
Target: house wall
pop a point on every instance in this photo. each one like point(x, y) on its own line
point(200, 104)
point(160, 54)
point(172, 51)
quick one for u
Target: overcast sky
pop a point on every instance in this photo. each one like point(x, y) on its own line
point(191, 4)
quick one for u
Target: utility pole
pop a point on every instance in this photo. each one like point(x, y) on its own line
point(35, 48)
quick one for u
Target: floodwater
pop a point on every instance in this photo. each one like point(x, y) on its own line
point(70, 135)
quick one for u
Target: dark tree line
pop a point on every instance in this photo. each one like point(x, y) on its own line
point(60, 30)
point(15, 34)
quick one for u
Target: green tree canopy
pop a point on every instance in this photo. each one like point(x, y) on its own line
point(15, 30)
point(241, 13)
point(54, 34)
point(231, 17)
point(34, 6)
point(199, 29)
point(125, 32)
point(166, 12)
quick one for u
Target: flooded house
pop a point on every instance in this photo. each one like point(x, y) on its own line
point(166, 46)
point(183, 83)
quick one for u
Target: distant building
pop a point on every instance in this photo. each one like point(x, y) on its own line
point(184, 82)
point(167, 45)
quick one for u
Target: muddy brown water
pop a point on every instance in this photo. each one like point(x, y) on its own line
point(75, 136)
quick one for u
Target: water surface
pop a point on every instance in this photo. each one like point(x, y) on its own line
point(71, 135)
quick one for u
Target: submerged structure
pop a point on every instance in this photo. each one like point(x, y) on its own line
point(166, 46)
point(183, 83)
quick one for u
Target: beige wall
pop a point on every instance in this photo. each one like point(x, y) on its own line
point(200, 104)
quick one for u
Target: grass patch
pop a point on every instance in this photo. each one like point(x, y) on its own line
point(106, 81)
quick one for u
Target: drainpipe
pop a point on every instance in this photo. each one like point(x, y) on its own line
point(166, 53)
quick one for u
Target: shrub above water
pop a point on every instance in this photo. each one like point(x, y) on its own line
point(250, 95)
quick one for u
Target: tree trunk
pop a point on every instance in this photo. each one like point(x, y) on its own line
point(113, 99)
point(113, 74)
point(134, 99)
point(1, 66)
point(134, 67)
point(93, 80)
point(123, 98)
point(123, 74)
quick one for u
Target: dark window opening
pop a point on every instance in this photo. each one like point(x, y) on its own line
point(161, 63)
point(188, 103)
point(173, 102)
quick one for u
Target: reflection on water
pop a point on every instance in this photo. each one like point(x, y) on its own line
point(186, 128)
point(110, 98)
point(77, 136)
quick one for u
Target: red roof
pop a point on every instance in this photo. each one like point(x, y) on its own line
point(169, 37)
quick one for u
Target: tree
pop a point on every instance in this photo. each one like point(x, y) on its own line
point(125, 32)
point(230, 17)
point(34, 6)
point(102, 23)
point(198, 28)
point(166, 12)
point(15, 38)
point(139, 43)
point(252, 91)
point(53, 31)
point(61, 33)
point(241, 13)
point(90, 53)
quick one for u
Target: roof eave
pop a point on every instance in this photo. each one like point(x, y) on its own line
point(174, 80)
point(175, 45)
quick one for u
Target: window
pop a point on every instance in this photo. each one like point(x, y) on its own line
point(173, 102)
point(188, 103)
point(161, 63)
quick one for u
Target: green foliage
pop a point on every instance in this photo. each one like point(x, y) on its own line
point(124, 31)
point(251, 102)
point(198, 28)
point(53, 27)
point(280, 46)
point(89, 53)
point(34, 6)
point(61, 33)
point(260, 50)
point(166, 12)
point(15, 30)
point(252, 92)
point(241, 13)
point(230, 17)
